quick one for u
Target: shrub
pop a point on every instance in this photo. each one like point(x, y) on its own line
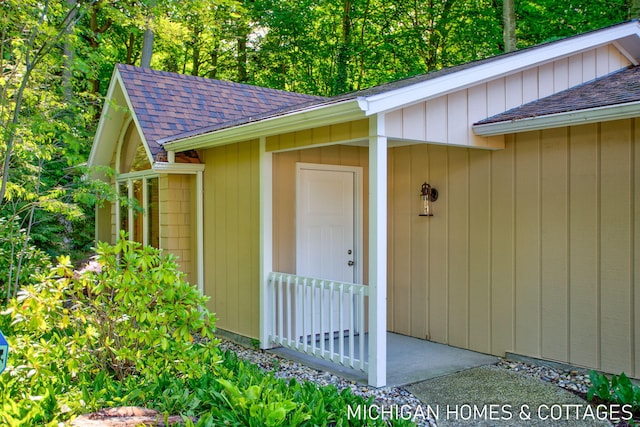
point(238, 393)
point(128, 316)
point(619, 390)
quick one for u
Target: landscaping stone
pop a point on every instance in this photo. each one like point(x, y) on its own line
point(126, 416)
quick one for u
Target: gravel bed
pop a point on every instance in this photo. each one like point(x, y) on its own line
point(573, 381)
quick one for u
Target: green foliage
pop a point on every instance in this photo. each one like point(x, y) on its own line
point(19, 258)
point(619, 389)
point(237, 393)
point(83, 339)
point(127, 330)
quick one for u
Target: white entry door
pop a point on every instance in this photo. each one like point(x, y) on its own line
point(327, 244)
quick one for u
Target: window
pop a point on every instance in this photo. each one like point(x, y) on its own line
point(138, 191)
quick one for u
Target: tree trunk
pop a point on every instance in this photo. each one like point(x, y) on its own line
point(147, 41)
point(214, 54)
point(68, 52)
point(96, 30)
point(344, 51)
point(509, 25)
point(242, 58)
point(147, 48)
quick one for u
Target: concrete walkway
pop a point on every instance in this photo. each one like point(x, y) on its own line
point(492, 396)
point(409, 360)
point(463, 388)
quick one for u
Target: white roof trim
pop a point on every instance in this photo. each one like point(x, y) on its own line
point(499, 67)
point(290, 122)
point(116, 79)
point(570, 118)
point(181, 168)
point(105, 112)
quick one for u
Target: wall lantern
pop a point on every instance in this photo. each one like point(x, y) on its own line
point(428, 195)
point(4, 352)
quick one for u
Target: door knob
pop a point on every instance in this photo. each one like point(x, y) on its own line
point(350, 263)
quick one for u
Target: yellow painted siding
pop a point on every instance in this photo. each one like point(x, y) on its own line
point(232, 236)
point(532, 249)
point(105, 223)
point(178, 220)
point(324, 135)
point(284, 191)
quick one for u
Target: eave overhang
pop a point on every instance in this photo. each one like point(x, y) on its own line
point(570, 118)
point(625, 37)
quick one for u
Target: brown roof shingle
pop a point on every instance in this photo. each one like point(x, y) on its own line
point(620, 87)
point(168, 104)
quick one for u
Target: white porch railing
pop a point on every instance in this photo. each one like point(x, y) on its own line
point(323, 318)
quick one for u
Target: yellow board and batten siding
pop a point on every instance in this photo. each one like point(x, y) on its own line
point(232, 214)
point(232, 236)
point(532, 249)
point(324, 135)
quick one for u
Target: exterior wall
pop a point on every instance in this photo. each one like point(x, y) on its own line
point(232, 236)
point(341, 132)
point(531, 250)
point(105, 223)
point(284, 203)
point(178, 221)
point(429, 121)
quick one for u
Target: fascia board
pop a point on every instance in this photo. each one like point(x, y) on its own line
point(181, 168)
point(394, 99)
point(145, 144)
point(116, 80)
point(298, 120)
point(572, 118)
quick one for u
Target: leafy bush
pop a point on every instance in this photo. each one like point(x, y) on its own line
point(238, 393)
point(81, 338)
point(127, 330)
point(619, 390)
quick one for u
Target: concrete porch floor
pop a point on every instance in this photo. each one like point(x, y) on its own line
point(409, 360)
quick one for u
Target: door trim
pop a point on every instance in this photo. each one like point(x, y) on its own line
point(358, 209)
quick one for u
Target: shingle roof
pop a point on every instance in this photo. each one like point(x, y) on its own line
point(168, 104)
point(620, 87)
point(174, 106)
point(386, 87)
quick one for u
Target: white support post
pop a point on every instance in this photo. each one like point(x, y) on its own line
point(377, 252)
point(117, 212)
point(145, 211)
point(200, 231)
point(130, 209)
point(266, 243)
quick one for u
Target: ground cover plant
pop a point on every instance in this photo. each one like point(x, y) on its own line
point(618, 390)
point(128, 330)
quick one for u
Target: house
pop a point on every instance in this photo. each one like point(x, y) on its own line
point(303, 218)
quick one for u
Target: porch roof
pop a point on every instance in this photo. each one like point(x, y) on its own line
point(616, 95)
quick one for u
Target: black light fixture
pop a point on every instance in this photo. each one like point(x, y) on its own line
point(428, 195)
